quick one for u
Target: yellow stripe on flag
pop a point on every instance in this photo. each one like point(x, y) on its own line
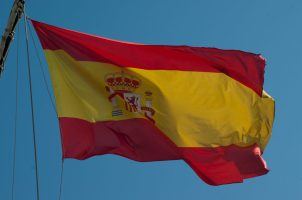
point(194, 109)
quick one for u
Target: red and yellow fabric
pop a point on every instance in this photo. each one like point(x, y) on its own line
point(156, 102)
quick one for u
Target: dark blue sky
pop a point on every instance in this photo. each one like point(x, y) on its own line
point(270, 27)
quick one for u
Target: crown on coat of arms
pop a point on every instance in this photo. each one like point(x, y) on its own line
point(121, 81)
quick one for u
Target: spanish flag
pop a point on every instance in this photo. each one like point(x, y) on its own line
point(205, 106)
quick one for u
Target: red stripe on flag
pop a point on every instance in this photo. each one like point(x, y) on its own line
point(140, 140)
point(137, 139)
point(247, 68)
point(223, 165)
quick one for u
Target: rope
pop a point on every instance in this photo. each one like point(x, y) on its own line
point(16, 116)
point(52, 102)
point(32, 108)
point(61, 179)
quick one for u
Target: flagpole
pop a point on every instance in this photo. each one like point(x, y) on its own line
point(32, 107)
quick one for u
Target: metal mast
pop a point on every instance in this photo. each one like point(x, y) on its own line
point(8, 35)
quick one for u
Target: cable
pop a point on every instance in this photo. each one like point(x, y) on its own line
point(16, 116)
point(32, 107)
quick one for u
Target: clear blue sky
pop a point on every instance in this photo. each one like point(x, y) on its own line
point(270, 27)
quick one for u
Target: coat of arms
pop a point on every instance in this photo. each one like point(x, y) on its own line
point(121, 85)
